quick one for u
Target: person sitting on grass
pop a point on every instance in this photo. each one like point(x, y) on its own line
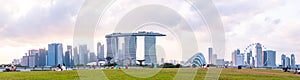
point(13, 68)
point(117, 67)
point(7, 68)
point(112, 67)
point(58, 68)
point(297, 71)
point(286, 69)
point(63, 67)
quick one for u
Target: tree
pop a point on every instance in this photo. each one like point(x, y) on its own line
point(170, 65)
point(111, 64)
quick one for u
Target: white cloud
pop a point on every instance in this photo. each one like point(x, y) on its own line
point(274, 23)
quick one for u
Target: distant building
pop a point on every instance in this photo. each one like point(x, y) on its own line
point(283, 62)
point(220, 62)
point(42, 57)
point(129, 48)
point(33, 58)
point(92, 57)
point(197, 60)
point(150, 50)
point(233, 58)
point(67, 59)
point(130, 44)
point(24, 60)
point(239, 59)
point(249, 56)
point(288, 61)
point(83, 54)
point(214, 58)
point(55, 54)
point(112, 46)
point(252, 63)
point(33, 52)
point(100, 51)
point(210, 55)
point(31, 61)
point(76, 56)
point(162, 61)
point(293, 65)
point(259, 55)
point(269, 58)
point(70, 49)
point(16, 61)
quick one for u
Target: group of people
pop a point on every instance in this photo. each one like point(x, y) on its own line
point(117, 67)
point(297, 71)
point(287, 69)
point(60, 67)
point(11, 68)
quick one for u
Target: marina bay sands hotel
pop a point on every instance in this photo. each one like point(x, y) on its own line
point(124, 53)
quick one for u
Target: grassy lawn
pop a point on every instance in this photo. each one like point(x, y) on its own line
point(149, 74)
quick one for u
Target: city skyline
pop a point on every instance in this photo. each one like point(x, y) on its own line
point(26, 25)
point(35, 57)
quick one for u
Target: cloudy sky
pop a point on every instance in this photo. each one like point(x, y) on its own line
point(32, 24)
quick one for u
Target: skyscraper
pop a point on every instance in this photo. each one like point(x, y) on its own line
point(76, 56)
point(210, 54)
point(69, 48)
point(252, 63)
point(288, 61)
point(130, 47)
point(259, 55)
point(33, 58)
point(249, 55)
point(214, 58)
point(293, 61)
point(60, 55)
point(24, 60)
point(55, 54)
point(283, 60)
point(67, 59)
point(233, 58)
point(150, 50)
point(83, 54)
point(269, 58)
point(42, 57)
point(92, 57)
point(100, 51)
point(239, 59)
point(236, 56)
point(112, 46)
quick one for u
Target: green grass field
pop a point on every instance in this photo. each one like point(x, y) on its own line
point(164, 74)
